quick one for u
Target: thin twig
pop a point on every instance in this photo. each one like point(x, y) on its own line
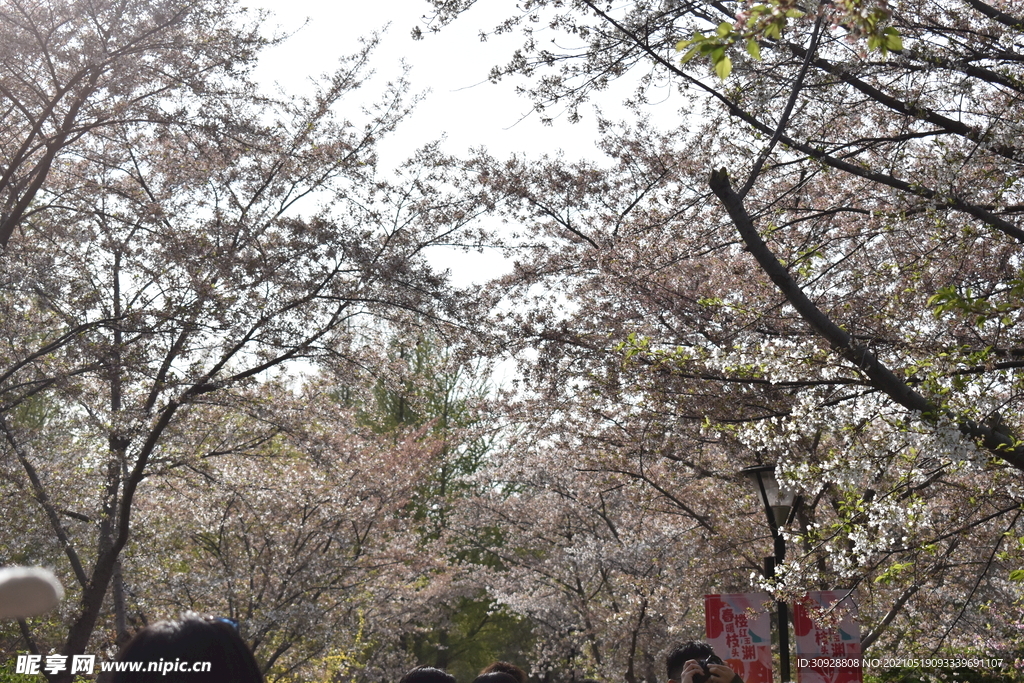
point(787, 112)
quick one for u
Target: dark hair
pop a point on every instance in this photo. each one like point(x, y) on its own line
point(495, 677)
point(506, 668)
point(427, 674)
point(693, 649)
point(169, 650)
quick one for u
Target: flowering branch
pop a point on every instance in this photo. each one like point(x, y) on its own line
point(995, 440)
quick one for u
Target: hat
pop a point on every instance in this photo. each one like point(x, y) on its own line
point(28, 591)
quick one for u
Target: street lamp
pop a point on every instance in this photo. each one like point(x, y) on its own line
point(778, 508)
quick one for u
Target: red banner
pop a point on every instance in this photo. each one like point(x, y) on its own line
point(739, 629)
point(827, 639)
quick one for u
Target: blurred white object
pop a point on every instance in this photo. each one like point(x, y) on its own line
point(28, 591)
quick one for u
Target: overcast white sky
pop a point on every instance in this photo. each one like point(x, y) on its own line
point(462, 105)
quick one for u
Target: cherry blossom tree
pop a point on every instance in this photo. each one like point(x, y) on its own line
point(606, 573)
point(299, 530)
point(71, 72)
point(169, 265)
point(818, 266)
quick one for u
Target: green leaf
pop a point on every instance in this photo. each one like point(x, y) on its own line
point(893, 41)
point(1017, 575)
point(892, 573)
point(753, 49)
point(723, 67)
point(689, 55)
point(724, 29)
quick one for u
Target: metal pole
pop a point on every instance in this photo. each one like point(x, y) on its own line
point(780, 556)
point(770, 563)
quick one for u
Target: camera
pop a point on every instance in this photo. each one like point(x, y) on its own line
point(703, 677)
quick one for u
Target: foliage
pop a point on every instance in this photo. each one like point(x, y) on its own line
point(302, 526)
point(186, 238)
point(72, 74)
point(474, 633)
point(428, 386)
point(815, 263)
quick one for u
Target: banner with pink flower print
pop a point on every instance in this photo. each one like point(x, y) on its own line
point(739, 629)
point(827, 639)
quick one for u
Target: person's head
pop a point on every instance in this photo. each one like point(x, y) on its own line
point(495, 677)
point(693, 649)
point(427, 674)
point(506, 668)
point(193, 649)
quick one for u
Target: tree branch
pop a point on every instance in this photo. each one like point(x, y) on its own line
point(999, 443)
point(44, 501)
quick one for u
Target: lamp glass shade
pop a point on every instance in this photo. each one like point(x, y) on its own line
point(779, 501)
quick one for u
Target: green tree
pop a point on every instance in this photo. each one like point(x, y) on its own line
point(426, 385)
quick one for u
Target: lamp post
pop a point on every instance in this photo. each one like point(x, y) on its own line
point(778, 508)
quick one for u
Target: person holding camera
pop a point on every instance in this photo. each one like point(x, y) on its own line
point(696, 662)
